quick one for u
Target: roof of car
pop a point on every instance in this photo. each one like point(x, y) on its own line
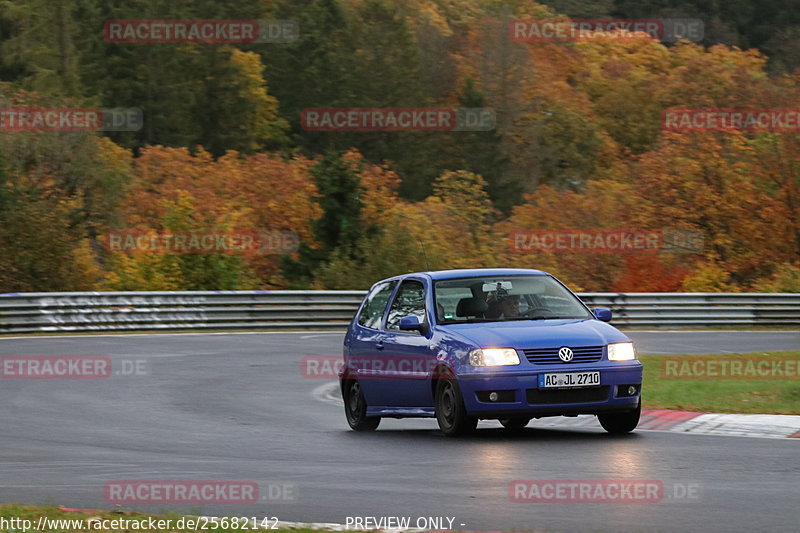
point(476, 272)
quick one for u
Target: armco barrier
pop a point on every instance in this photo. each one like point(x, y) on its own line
point(275, 310)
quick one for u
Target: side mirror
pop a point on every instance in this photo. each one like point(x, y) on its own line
point(411, 323)
point(602, 313)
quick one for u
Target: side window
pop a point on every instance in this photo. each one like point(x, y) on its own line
point(447, 299)
point(372, 312)
point(410, 301)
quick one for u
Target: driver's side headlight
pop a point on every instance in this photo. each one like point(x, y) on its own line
point(621, 351)
point(493, 357)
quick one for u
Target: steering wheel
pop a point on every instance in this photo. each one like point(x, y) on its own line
point(538, 310)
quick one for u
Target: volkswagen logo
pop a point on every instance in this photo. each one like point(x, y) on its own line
point(565, 354)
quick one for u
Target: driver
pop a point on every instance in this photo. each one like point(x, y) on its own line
point(509, 306)
point(502, 305)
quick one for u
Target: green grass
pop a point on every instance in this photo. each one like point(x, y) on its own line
point(772, 396)
point(32, 513)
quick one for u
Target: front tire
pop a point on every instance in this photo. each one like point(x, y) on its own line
point(355, 408)
point(620, 423)
point(450, 411)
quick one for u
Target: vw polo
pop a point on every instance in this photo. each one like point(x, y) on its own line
point(503, 344)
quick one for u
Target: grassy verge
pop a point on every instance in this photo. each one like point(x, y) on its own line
point(90, 521)
point(768, 396)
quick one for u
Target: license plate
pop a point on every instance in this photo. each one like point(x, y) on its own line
point(569, 380)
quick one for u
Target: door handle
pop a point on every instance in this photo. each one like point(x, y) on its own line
point(379, 345)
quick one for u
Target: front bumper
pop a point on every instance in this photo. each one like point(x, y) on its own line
point(519, 393)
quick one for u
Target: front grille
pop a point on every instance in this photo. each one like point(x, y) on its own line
point(549, 356)
point(549, 397)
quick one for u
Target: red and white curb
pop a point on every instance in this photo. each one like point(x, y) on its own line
point(772, 426)
point(730, 425)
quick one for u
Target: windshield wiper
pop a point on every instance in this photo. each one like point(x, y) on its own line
point(545, 318)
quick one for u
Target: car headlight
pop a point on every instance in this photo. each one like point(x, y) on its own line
point(621, 351)
point(493, 357)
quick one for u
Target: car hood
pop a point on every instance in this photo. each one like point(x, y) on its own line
point(525, 334)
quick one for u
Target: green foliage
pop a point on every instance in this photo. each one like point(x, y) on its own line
point(708, 277)
point(380, 257)
point(367, 54)
point(238, 112)
point(340, 225)
point(478, 151)
point(339, 228)
point(40, 47)
point(180, 272)
point(41, 252)
point(582, 8)
point(766, 24)
point(464, 193)
point(191, 94)
point(786, 278)
point(176, 272)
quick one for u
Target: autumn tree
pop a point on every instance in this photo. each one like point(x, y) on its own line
point(175, 190)
point(712, 182)
point(73, 181)
point(449, 229)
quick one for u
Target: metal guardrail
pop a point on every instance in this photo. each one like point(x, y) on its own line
point(275, 310)
point(698, 309)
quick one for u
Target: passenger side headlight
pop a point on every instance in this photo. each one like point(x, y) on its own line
point(621, 351)
point(493, 357)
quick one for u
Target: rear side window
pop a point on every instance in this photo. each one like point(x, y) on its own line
point(410, 301)
point(372, 312)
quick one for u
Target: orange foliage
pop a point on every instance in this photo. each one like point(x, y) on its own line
point(261, 192)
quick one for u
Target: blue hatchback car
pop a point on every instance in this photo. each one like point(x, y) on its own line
point(504, 344)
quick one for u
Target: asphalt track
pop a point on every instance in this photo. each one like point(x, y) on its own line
point(236, 407)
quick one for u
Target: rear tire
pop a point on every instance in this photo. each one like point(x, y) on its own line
point(450, 411)
point(355, 408)
point(515, 423)
point(620, 423)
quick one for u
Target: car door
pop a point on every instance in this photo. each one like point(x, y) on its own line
point(365, 342)
point(407, 357)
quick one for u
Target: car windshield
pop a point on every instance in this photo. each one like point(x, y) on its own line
point(500, 299)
